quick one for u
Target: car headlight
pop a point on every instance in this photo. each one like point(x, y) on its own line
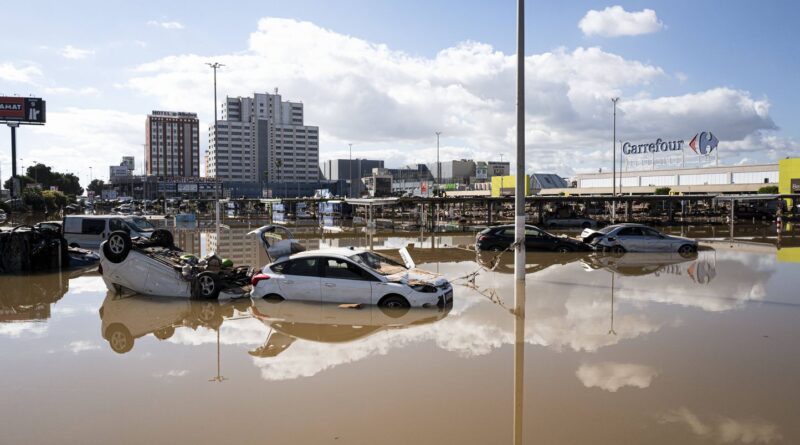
point(427, 288)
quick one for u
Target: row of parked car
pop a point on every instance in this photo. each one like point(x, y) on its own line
point(616, 238)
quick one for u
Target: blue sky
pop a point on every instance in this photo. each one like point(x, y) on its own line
point(726, 66)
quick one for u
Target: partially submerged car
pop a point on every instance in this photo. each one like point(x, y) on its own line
point(499, 238)
point(345, 275)
point(155, 266)
point(629, 237)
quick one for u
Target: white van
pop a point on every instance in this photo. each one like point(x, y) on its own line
point(88, 231)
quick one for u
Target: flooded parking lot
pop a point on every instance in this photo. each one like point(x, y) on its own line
point(637, 348)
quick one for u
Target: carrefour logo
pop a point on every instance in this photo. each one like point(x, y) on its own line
point(704, 143)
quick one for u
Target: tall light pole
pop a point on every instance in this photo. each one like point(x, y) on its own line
point(350, 170)
point(438, 164)
point(519, 232)
point(614, 164)
point(214, 66)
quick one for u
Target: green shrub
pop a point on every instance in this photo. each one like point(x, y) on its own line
point(663, 191)
point(768, 190)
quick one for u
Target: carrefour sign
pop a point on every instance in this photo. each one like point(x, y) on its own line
point(652, 147)
point(702, 143)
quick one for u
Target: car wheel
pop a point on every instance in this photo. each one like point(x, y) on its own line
point(687, 250)
point(119, 338)
point(394, 306)
point(164, 333)
point(564, 249)
point(117, 246)
point(273, 298)
point(162, 238)
point(208, 286)
point(617, 249)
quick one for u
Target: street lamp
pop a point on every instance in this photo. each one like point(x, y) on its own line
point(438, 164)
point(614, 163)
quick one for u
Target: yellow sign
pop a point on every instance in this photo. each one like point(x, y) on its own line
point(505, 185)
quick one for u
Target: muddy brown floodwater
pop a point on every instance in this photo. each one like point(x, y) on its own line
point(644, 348)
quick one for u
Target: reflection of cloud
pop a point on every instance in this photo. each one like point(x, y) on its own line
point(79, 346)
point(172, 373)
point(611, 376)
point(725, 429)
point(28, 329)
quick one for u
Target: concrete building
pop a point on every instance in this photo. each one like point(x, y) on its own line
point(350, 170)
point(454, 172)
point(124, 169)
point(172, 144)
point(263, 140)
point(722, 179)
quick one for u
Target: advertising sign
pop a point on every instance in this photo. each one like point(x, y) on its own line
point(795, 185)
point(29, 110)
point(187, 188)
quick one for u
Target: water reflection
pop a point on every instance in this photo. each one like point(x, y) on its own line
point(29, 297)
point(124, 319)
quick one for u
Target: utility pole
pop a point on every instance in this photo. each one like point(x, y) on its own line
point(614, 164)
point(214, 66)
point(438, 164)
point(350, 171)
point(15, 184)
point(519, 234)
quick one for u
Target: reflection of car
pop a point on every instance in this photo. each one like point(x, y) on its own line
point(330, 323)
point(499, 238)
point(154, 266)
point(637, 264)
point(583, 223)
point(534, 261)
point(89, 231)
point(350, 275)
point(125, 319)
point(630, 237)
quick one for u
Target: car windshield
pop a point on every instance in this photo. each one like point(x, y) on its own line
point(378, 263)
point(140, 224)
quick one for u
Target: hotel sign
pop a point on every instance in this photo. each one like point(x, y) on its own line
point(25, 110)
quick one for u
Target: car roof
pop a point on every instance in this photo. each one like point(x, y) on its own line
point(93, 216)
point(342, 252)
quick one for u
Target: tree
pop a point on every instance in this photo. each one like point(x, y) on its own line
point(44, 175)
point(96, 186)
point(23, 181)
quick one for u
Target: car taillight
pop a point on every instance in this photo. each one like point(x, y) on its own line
point(482, 238)
point(258, 277)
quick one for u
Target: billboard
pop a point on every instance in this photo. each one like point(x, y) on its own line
point(25, 110)
point(187, 188)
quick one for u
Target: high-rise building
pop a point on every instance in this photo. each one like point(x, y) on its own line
point(172, 145)
point(263, 139)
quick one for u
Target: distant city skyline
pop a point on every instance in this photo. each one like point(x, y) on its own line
point(386, 76)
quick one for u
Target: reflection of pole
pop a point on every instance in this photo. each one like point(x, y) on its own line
point(218, 378)
point(611, 331)
point(519, 361)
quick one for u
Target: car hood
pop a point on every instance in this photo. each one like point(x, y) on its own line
point(417, 276)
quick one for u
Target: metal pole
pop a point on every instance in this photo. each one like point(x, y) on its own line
point(438, 164)
point(519, 198)
point(15, 192)
point(614, 164)
point(214, 67)
point(350, 170)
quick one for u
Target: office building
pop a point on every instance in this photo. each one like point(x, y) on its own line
point(336, 169)
point(172, 144)
point(263, 139)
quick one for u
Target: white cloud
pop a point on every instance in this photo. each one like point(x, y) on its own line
point(71, 52)
point(11, 73)
point(79, 346)
point(615, 21)
point(389, 103)
point(611, 376)
point(166, 24)
point(85, 91)
point(172, 373)
point(26, 328)
point(724, 429)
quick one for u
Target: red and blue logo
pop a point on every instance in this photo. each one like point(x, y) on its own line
point(704, 143)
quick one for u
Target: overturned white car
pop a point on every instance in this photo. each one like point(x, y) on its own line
point(154, 266)
point(345, 276)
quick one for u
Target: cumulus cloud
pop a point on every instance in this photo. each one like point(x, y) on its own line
point(27, 74)
point(23, 329)
point(724, 429)
point(172, 373)
point(615, 21)
point(390, 103)
point(166, 24)
point(610, 376)
point(79, 346)
point(84, 91)
point(72, 52)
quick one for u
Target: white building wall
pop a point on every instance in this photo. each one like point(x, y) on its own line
point(659, 181)
point(704, 179)
point(755, 177)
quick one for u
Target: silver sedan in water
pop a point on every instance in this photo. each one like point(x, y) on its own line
point(621, 238)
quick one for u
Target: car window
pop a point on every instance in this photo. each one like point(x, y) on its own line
point(343, 270)
point(650, 232)
point(533, 232)
point(117, 224)
point(278, 267)
point(304, 267)
point(507, 232)
point(630, 231)
point(93, 226)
